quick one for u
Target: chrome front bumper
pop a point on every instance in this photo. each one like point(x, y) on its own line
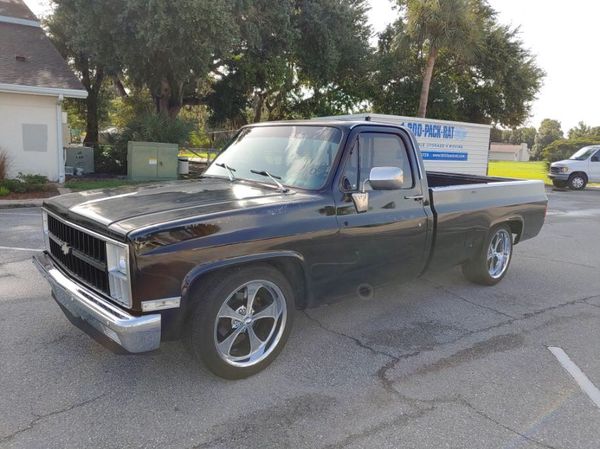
point(135, 334)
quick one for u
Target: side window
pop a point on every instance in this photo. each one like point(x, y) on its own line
point(384, 150)
point(596, 157)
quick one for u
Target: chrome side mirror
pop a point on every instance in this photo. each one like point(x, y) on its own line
point(386, 178)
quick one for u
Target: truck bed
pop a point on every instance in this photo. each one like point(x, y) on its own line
point(465, 207)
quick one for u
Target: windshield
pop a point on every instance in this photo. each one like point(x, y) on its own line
point(584, 153)
point(297, 156)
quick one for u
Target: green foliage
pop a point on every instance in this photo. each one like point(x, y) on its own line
point(295, 59)
point(4, 191)
point(548, 132)
point(170, 47)
point(565, 148)
point(111, 156)
point(496, 82)
point(158, 128)
point(25, 183)
point(584, 131)
point(514, 136)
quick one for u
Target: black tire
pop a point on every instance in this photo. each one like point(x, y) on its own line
point(577, 181)
point(202, 335)
point(560, 184)
point(477, 270)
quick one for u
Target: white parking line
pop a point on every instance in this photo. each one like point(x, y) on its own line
point(582, 380)
point(13, 248)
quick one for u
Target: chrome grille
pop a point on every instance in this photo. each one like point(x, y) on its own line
point(555, 170)
point(81, 254)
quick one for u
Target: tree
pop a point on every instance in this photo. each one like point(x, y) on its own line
point(582, 131)
point(451, 26)
point(523, 135)
point(548, 132)
point(495, 84)
point(171, 47)
point(295, 58)
point(82, 33)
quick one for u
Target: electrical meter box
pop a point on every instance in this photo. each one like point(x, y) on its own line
point(152, 160)
point(81, 158)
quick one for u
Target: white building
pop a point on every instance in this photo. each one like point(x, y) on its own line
point(508, 152)
point(34, 80)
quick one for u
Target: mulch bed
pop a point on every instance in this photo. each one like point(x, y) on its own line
point(30, 195)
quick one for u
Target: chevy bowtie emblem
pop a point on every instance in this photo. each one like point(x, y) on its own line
point(65, 248)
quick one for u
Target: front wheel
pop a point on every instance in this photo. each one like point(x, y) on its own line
point(490, 265)
point(242, 321)
point(577, 181)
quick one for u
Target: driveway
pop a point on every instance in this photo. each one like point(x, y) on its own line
point(434, 363)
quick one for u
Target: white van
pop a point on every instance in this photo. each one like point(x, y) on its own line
point(578, 170)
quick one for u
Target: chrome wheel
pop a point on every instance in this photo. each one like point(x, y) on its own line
point(499, 253)
point(250, 323)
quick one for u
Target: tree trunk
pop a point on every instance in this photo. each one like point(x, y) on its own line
point(427, 75)
point(166, 103)
point(258, 107)
point(91, 127)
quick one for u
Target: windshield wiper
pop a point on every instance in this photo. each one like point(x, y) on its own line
point(230, 170)
point(272, 177)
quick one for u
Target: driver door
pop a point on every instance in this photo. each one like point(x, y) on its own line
point(388, 241)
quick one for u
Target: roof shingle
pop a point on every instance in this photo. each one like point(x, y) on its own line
point(16, 9)
point(27, 56)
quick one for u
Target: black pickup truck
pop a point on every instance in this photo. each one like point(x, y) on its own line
point(288, 216)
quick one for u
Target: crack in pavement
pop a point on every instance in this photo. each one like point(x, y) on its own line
point(424, 407)
point(456, 295)
point(388, 384)
point(39, 418)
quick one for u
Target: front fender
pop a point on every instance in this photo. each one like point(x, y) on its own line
point(203, 269)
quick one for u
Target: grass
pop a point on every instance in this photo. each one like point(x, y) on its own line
point(520, 170)
point(90, 184)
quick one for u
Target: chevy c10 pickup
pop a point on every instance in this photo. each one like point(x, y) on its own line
point(289, 215)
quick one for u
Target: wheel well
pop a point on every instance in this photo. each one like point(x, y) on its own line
point(290, 267)
point(516, 227)
point(580, 173)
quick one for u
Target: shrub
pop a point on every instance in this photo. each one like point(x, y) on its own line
point(158, 128)
point(25, 183)
point(112, 156)
point(4, 191)
point(3, 164)
point(565, 148)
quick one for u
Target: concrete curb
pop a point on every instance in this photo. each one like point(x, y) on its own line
point(9, 204)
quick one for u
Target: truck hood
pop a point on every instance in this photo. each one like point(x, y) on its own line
point(119, 211)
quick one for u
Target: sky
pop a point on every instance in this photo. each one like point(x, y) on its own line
point(562, 35)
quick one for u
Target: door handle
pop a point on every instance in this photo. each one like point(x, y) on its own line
point(414, 197)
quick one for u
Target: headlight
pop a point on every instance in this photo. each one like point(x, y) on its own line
point(117, 259)
point(45, 229)
point(563, 169)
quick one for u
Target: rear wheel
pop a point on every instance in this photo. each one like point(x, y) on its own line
point(490, 265)
point(577, 181)
point(242, 321)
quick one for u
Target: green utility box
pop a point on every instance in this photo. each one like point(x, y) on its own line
point(152, 160)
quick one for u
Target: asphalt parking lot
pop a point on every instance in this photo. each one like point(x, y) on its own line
point(436, 363)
